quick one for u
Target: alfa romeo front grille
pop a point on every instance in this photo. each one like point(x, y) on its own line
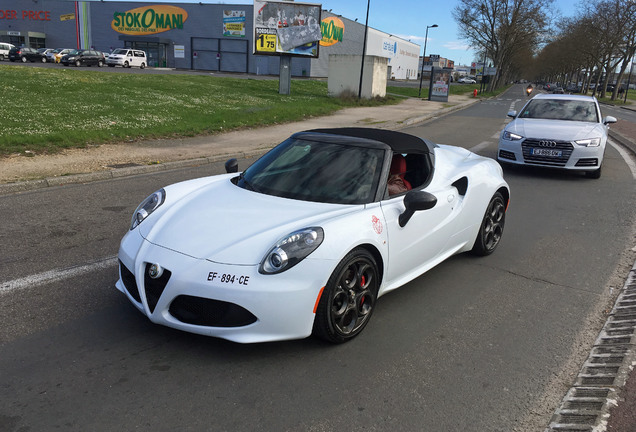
point(533, 148)
point(129, 282)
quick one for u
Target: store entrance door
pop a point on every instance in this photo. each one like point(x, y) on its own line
point(156, 52)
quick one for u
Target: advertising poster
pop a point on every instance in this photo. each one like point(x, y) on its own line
point(234, 23)
point(438, 90)
point(286, 28)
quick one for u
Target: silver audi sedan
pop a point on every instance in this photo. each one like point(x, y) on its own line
point(557, 131)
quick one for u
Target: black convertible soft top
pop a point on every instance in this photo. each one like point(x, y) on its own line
point(399, 142)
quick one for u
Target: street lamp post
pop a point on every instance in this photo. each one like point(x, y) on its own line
point(419, 94)
point(364, 49)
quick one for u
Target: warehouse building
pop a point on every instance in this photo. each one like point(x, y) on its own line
point(196, 36)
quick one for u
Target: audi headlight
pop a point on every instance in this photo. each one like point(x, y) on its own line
point(590, 142)
point(509, 136)
point(147, 206)
point(291, 249)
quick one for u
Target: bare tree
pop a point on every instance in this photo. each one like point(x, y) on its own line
point(503, 28)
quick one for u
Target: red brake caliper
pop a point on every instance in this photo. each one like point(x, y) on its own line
point(362, 286)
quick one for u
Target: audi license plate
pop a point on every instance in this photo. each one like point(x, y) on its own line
point(546, 152)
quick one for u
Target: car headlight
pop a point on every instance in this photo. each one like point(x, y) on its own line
point(590, 142)
point(509, 136)
point(291, 249)
point(147, 206)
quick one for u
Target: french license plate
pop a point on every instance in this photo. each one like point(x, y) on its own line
point(546, 152)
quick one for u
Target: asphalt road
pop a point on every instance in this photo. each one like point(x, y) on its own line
point(476, 344)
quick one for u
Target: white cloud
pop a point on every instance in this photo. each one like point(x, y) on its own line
point(457, 45)
point(414, 39)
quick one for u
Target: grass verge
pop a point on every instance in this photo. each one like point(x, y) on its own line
point(46, 110)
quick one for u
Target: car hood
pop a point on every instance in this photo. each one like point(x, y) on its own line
point(556, 129)
point(227, 224)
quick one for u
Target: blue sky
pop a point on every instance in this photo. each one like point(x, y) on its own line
point(408, 19)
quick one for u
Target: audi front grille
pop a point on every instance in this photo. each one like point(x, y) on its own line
point(565, 147)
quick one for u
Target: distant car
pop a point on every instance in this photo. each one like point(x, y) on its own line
point(4, 50)
point(50, 56)
point(25, 54)
point(557, 131)
point(558, 90)
point(61, 53)
point(310, 236)
point(83, 57)
point(466, 80)
point(127, 57)
point(550, 87)
point(45, 52)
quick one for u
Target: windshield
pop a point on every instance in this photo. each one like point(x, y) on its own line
point(560, 109)
point(317, 171)
point(120, 51)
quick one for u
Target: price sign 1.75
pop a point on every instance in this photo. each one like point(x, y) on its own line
point(265, 41)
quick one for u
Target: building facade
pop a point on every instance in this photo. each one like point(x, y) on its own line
point(197, 36)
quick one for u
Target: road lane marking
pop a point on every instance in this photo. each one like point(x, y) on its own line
point(480, 146)
point(56, 275)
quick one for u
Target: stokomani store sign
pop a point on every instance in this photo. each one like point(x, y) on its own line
point(149, 20)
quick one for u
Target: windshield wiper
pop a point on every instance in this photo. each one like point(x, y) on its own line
point(245, 183)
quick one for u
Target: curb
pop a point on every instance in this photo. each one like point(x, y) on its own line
point(623, 141)
point(586, 406)
point(29, 185)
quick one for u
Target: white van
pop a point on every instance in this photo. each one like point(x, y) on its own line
point(127, 57)
point(4, 50)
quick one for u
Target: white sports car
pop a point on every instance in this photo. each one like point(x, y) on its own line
point(310, 236)
point(558, 131)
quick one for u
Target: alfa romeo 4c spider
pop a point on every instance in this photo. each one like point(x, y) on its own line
point(307, 238)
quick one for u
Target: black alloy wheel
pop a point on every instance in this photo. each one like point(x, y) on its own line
point(347, 303)
point(492, 227)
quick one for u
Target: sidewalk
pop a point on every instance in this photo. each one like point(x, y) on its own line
point(21, 173)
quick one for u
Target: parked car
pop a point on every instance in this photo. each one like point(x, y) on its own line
point(61, 53)
point(310, 236)
point(557, 131)
point(4, 50)
point(467, 80)
point(127, 57)
point(45, 52)
point(50, 56)
point(83, 57)
point(25, 54)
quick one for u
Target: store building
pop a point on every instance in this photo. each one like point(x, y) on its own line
point(197, 36)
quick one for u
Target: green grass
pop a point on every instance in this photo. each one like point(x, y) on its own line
point(45, 110)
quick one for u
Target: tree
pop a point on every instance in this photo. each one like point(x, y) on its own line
point(504, 29)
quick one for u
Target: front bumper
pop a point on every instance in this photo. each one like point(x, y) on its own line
point(115, 62)
point(565, 155)
point(227, 301)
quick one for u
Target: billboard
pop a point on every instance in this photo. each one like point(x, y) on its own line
point(234, 23)
point(287, 28)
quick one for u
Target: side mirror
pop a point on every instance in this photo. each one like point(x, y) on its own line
point(609, 119)
point(231, 166)
point(512, 114)
point(415, 201)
